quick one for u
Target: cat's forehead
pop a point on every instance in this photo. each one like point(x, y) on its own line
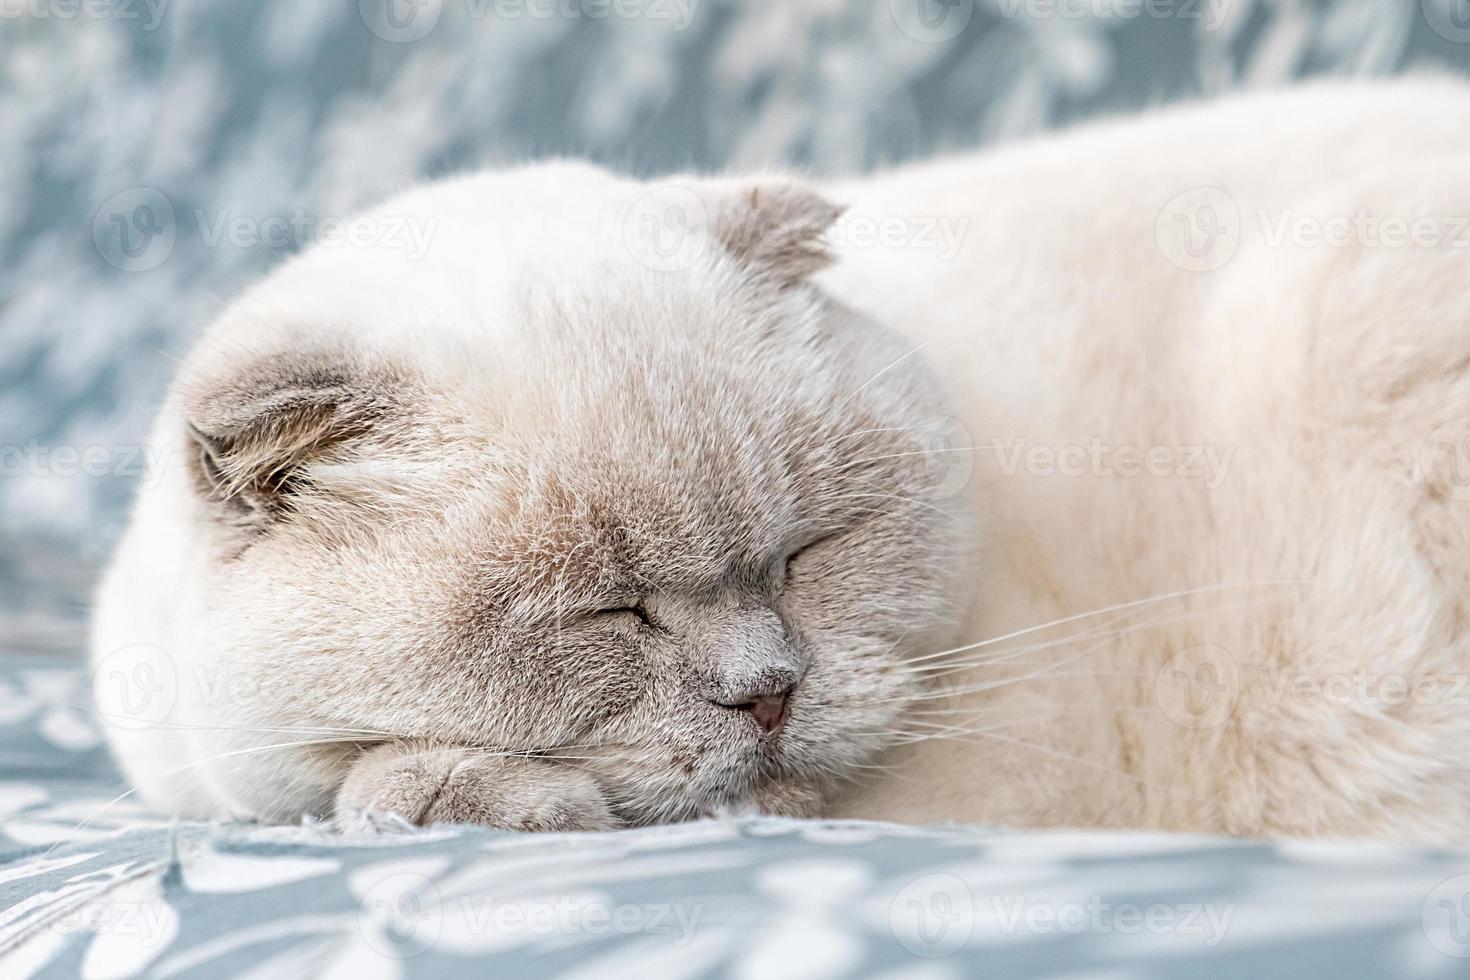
point(585, 530)
point(651, 477)
point(656, 464)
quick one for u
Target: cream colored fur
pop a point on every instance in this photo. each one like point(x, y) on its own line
point(554, 411)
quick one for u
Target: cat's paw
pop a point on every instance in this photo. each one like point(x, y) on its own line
point(429, 785)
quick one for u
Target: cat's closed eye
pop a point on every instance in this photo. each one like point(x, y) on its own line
point(629, 612)
point(805, 551)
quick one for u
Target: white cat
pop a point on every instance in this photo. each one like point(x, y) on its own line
point(1104, 480)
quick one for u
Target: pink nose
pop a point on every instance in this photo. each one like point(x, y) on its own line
point(769, 711)
point(765, 696)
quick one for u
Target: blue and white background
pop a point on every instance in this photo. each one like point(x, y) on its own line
point(156, 156)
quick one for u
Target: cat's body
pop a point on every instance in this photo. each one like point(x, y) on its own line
point(1302, 400)
point(1256, 434)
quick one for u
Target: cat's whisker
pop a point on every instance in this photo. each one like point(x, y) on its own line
point(915, 452)
point(907, 500)
point(944, 668)
point(234, 753)
point(930, 672)
point(870, 766)
point(1164, 597)
point(848, 496)
point(991, 733)
point(169, 725)
point(864, 432)
point(939, 712)
point(549, 752)
point(1048, 670)
point(899, 360)
point(943, 731)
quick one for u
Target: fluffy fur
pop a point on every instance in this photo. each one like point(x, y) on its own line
point(510, 533)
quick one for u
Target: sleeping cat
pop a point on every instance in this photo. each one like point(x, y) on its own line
point(632, 502)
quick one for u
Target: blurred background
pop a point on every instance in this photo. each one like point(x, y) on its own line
point(157, 156)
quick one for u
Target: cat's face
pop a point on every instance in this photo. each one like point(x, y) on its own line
point(681, 527)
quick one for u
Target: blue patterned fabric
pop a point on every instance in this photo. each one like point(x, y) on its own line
point(158, 155)
point(93, 885)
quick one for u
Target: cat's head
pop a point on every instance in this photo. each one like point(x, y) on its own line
point(600, 474)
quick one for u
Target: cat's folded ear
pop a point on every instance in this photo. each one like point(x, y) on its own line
point(776, 228)
point(254, 423)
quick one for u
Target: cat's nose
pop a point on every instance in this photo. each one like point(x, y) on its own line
point(766, 699)
point(746, 660)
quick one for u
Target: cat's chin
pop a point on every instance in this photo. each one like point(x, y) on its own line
point(772, 798)
point(768, 796)
point(732, 811)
